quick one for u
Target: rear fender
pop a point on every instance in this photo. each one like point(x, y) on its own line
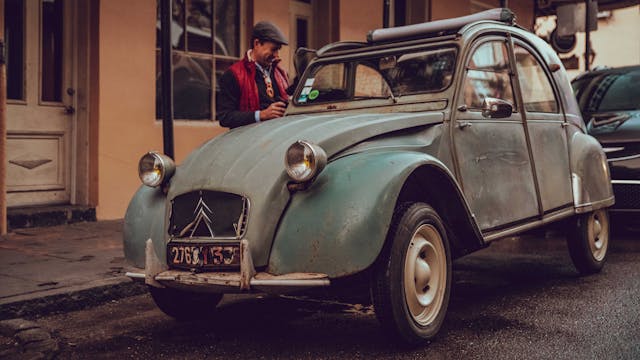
point(145, 219)
point(339, 225)
point(591, 181)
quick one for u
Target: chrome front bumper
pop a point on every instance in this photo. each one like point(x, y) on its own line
point(157, 274)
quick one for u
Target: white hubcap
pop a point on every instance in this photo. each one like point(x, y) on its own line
point(425, 274)
point(598, 232)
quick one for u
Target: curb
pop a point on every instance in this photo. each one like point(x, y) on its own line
point(71, 300)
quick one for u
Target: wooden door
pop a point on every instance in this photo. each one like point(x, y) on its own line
point(40, 111)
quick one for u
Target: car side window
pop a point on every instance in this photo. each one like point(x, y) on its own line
point(421, 72)
point(488, 75)
point(616, 92)
point(370, 83)
point(537, 92)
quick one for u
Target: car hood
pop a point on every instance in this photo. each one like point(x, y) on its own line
point(249, 161)
point(624, 130)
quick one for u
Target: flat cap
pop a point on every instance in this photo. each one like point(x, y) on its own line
point(265, 30)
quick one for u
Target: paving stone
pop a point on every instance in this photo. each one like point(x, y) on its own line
point(47, 346)
point(28, 356)
point(12, 326)
point(31, 335)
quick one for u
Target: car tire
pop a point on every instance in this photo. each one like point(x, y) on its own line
point(184, 305)
point(411, 282)
point(589, 241)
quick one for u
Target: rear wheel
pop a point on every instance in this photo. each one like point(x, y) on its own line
point(411, 283)
point(589, 241)
point(184, 305)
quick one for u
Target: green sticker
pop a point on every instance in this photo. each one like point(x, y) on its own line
point(313, 94)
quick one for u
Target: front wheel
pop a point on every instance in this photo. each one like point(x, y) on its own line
point(412, 281)
point(184, 305)
point(589, 241)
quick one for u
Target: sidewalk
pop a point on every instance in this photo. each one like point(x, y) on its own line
point(61, 268)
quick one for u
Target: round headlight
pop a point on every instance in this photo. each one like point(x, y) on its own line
point(304, 160)
point(154, 169)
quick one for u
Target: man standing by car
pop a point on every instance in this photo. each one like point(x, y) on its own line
point(253, 89)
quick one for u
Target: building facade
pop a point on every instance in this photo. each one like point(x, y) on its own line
point(622, 24)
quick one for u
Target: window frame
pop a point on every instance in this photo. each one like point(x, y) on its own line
point(243, 12)
point(510, 70)
point(545, 68)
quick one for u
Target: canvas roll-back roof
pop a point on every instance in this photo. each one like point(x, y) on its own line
point(438, 27)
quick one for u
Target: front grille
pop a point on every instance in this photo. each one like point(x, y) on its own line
point(208, 214)
point(627, 196)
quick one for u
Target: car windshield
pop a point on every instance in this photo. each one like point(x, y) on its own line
point(609, 92)
point(384, 76)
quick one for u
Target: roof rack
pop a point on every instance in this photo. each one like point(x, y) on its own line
point(339, 46)
point(439, 27)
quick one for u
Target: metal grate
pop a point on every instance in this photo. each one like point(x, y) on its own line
point(208, 214)
point(627, 196)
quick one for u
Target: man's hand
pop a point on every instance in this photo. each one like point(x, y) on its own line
point(274, 110)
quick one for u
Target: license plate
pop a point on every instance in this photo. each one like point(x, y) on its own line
point(203, 255)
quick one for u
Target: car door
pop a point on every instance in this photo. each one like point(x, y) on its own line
point(493, 161)
point(546, 127)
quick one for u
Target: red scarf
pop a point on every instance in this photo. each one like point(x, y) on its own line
point(245, 74)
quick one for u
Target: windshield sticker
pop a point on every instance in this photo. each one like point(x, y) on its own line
point(313, 94)
point(309, 82)
point(302, 99)
point(306, 90)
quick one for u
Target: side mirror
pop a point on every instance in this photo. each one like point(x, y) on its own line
point(496, 108)
point(302, 58)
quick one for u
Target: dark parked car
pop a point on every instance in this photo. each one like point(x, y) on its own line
point(396, 156)
point(610, 104)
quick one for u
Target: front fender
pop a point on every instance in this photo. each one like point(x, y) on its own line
point(144, 220)
point(339, 225)
point(590, 176)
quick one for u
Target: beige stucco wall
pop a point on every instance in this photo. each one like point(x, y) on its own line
point(277, 12)
point(453, 8)
point(357, 17)
point(127, 126)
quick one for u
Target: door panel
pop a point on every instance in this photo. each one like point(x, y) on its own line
point(38, 126)
point(35, 162)
point(551, 157)
point(495, 170)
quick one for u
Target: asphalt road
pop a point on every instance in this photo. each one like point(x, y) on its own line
point(520, 298)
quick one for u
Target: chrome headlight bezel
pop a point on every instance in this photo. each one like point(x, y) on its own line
point(155, 169)
point(304, 160)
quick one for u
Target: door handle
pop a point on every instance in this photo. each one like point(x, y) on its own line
point(464, 124)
